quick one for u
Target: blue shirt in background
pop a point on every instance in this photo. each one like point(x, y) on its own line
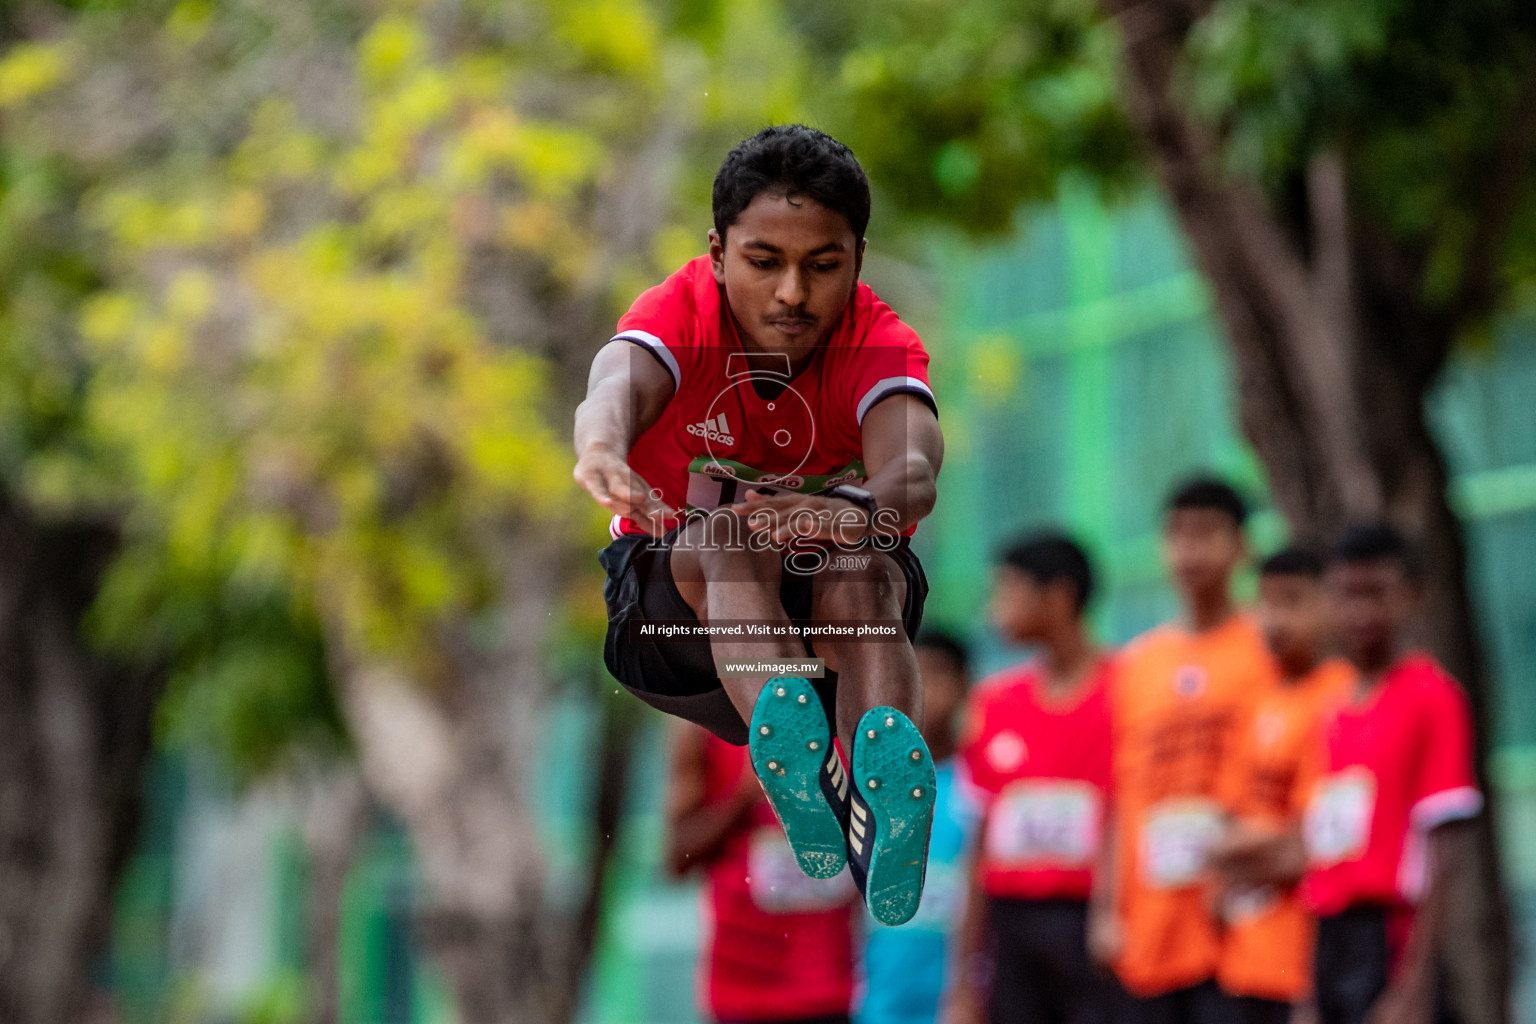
point(905, 968)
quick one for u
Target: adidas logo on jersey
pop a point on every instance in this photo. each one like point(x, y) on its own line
point(713, 430)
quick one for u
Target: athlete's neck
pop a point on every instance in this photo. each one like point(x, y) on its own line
point(1068, 656)
point(1374, 667)
point(1293, 673)
point(1204, 612)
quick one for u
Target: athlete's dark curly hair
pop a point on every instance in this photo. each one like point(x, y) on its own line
point(793, 161)
point(1213, 493)
point(1376, 542)
point(1052, 557)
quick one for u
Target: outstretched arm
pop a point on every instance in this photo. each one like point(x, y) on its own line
point(626, 393)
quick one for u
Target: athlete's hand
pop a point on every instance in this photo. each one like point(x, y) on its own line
point(1249, 855)
point(804, 516)
point(608, 478)
point(1106, 937)
point(965, 1006)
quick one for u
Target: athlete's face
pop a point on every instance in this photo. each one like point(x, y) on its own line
point(788, 267)
point(1293, 613)
point(1202, 547)
point(1371, 603)
point(943, 689)
point(1017, 608)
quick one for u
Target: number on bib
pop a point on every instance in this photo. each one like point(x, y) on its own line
point(780, 887)
point(1247, 904)
point(1044, 822)
point(1338, 820)
point(1174, 841)
point(713, 482)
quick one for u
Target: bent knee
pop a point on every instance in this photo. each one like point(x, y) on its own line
point(700, 556)
point(854, 588)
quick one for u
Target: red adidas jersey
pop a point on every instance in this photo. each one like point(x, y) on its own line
point(1391, 768)
point(1043, 769)
point(779, 945)
point(718, 433)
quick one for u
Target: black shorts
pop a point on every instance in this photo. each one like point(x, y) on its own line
point(678, 676)
point(1353, 963)
point(1198, 1004)
point(1256, 1010)
point(1042, 973)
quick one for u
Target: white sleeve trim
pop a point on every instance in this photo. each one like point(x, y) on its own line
point(613, 527)
point(890, 386)
point(654, 344)
point(1447, 805)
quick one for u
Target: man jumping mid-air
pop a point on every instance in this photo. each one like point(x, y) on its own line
point(763, 431)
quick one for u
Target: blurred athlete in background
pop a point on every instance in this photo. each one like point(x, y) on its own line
point(908, 969)
point(778, 945)
point(1181, 695)
point(1388, 816)
point(1037, 743)
point(1266, 954)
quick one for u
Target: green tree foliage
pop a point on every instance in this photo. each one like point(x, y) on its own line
point(262, 324)
point(963, 110)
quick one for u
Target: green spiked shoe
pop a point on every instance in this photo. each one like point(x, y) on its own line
point(791, 750)
point(890, 814)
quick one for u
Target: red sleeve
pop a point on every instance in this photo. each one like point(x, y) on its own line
point(891, 361)
point(1447, 788)
point(664, 321)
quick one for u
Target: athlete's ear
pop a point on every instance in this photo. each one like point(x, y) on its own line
point(858, 258)
point(717, 256)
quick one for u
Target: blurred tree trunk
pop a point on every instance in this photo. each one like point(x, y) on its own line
point(454, 757)
point(74, 738)
point(1335, 348)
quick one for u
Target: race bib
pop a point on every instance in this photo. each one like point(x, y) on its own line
point(1174, 842)
point(780, 887)
point(1246, 904)
point(1044, 822)
point(714, 482)
point(1338, 819)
